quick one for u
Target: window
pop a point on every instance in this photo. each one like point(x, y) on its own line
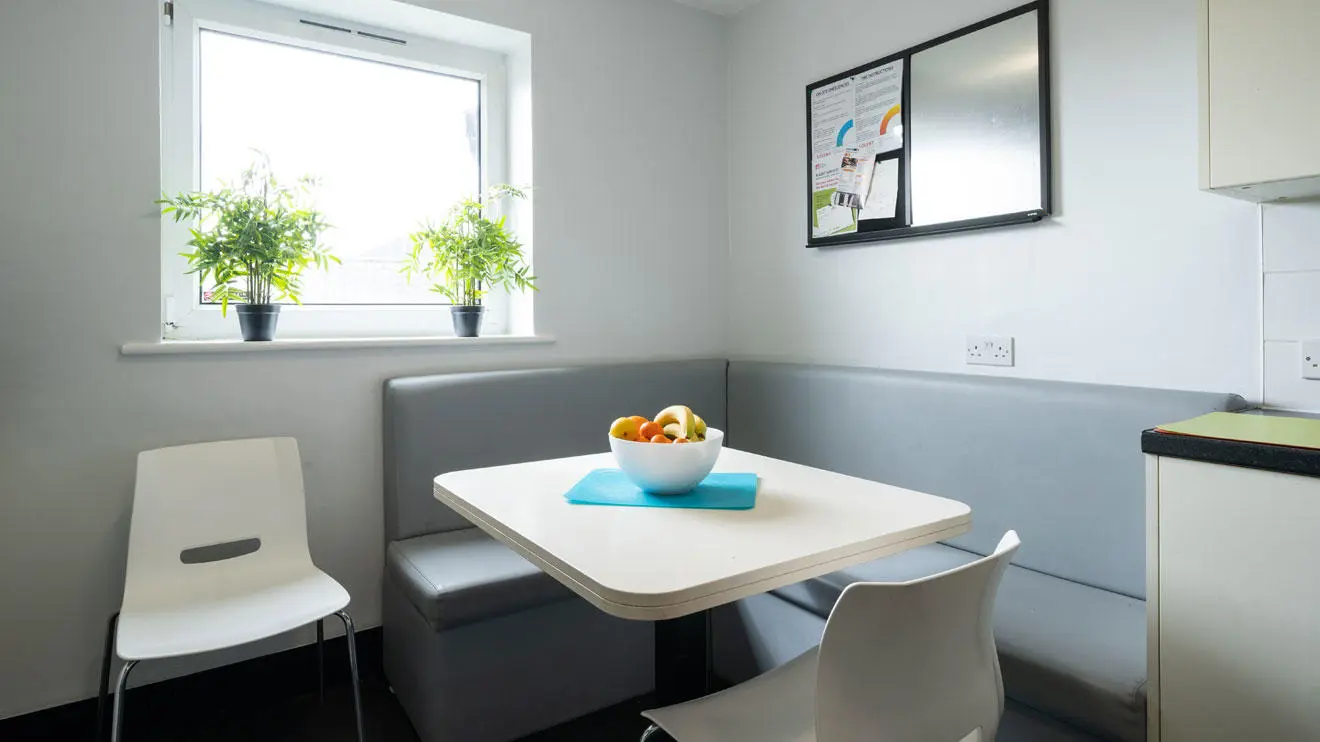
point(393, 128)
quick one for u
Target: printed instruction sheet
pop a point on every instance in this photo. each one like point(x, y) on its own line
point(852, 121)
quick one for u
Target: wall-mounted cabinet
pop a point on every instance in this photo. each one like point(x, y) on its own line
point(1260, 98)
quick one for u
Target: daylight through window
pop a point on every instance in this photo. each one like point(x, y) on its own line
point(389, 145)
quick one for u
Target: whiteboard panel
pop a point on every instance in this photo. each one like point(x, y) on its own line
point(976, 124)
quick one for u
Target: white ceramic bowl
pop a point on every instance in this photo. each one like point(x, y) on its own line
point(668, 469)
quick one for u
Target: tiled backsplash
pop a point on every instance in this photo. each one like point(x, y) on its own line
point(1291, 302)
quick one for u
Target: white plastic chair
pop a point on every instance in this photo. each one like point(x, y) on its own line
point(217, 557)
point(901, 662)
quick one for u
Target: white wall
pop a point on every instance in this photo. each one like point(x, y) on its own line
point(1292, 302)
point(617, 111)
point(1139, 280)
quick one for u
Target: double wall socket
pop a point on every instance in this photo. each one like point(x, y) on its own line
point(1311, 359)
point(985, 350)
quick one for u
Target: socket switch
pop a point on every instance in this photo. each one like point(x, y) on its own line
point(1311, 359)
point(986, 350)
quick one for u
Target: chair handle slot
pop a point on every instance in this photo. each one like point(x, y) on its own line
point(219, 552)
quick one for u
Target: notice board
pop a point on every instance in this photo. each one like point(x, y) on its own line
point(947, 136)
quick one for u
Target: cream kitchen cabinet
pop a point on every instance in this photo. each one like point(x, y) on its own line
point(1234, 602)
point(1260, 98)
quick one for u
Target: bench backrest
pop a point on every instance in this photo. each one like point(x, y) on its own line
point(1060, 463)
point(448, 422)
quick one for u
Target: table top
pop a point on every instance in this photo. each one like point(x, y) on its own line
point(660, 563)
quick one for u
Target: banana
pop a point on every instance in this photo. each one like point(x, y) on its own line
point(674, 430)
point(701, 428)
point(682, 418)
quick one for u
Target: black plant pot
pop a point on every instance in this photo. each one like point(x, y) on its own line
point(467, 320)
point(257, 321)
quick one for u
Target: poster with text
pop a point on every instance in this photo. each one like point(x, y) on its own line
point(833, 108)
point(852, 121)
point(879, 105)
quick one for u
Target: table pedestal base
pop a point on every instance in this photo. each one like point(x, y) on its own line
point(682, 658)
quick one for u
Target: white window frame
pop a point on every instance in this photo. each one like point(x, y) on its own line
point(184, 317)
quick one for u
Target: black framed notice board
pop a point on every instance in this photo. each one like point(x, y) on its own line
point(947, 136)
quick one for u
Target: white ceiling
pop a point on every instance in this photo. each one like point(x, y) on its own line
point(723, 7)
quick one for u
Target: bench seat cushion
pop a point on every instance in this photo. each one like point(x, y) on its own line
point(462, 577)
point(1070, 650)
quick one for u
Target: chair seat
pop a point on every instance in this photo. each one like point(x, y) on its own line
point(1075, 652)
point(202, 624)
point(462, 577)
point(779, 706)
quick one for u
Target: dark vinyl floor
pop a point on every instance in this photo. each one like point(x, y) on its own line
point(303, 718)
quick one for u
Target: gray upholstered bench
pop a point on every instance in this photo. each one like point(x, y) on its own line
point(461, 577)
point(469, 625)
point(1060, 463)
point(480, 646)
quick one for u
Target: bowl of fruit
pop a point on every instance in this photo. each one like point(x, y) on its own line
point(667, 455)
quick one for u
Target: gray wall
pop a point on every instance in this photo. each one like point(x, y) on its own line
point(79, 169)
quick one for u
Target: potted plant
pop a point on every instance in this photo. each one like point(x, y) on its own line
point(467, 255)
point(252, 243)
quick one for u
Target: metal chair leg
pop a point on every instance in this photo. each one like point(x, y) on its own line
point(649, 731)
point(320, 660)
point(118, 719)
point(103, 698)
point(353, 668)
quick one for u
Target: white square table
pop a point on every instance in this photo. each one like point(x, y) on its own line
point(672, 565)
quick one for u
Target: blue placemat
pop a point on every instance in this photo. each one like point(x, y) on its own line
point(721, 491)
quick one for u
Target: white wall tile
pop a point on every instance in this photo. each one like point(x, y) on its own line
point(1284, 386)
point(1292, 306)
point(1291, 302)
point(1292, 236)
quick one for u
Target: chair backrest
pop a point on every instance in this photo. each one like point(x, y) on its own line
point(199, 511)
point(914, 661)
point(1058, 462)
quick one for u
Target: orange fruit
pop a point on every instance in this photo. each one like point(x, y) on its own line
point(639, 419)
point(681, 440)
point(662, 438)
point(650, 430)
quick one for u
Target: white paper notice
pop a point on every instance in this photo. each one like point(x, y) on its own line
point(833, 108)
point(834, 220)
point(882, 201)
point(879, 98)
point(879, 94)
point(852, 121)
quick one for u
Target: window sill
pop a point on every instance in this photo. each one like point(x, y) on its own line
point(195, 347)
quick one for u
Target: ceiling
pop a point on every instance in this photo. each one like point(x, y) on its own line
point(723, 7)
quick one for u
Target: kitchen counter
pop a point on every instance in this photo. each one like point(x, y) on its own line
point(1266, 456)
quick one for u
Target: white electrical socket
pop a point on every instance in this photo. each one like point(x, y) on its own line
point(1311, 359)
point(984, 350)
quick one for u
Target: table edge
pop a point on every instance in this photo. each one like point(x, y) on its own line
point(652, 607)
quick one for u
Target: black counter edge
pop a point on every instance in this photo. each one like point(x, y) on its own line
point(1283, 459)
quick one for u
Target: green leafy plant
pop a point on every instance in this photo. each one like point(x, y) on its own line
point(254, 241)
point(470, 253)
